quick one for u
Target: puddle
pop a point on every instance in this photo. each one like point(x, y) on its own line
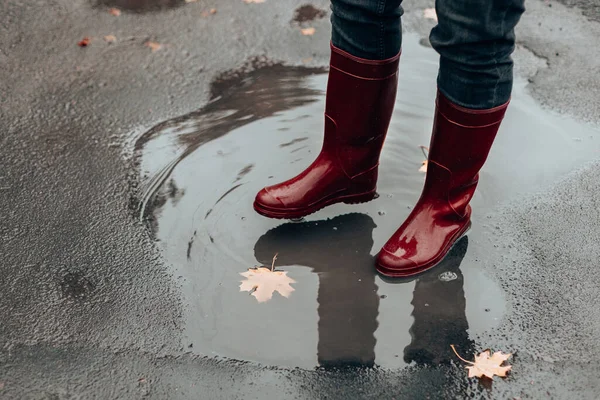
point(199, 176)
point(140, 5)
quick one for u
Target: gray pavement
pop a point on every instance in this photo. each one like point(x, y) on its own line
point(88, 308)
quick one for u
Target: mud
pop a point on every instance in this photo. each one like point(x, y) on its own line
point(307, 13)
point(199, 174)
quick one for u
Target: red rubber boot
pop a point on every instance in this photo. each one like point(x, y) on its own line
point(460, 143)
point(360, 99)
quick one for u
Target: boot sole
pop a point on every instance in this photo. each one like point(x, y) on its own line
point(303, 212)
point(396, 275)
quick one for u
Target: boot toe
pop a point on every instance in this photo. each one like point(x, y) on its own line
point(391, 265)
point(266, 200)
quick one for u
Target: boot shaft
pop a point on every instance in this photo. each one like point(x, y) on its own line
point(360, 100)
point(460, 144)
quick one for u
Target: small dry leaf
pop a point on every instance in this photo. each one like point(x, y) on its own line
point(487, 364)
point(114, 11)
point(254, 1)
point(84, 42)
point(308, 31)
point(110, 38)
point(261, 282)
point(425, 151)
point(212, 11)
point(430, 13)
point(154, 46)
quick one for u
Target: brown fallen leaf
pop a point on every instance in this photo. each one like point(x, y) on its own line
point(153, 46)
point(110, 38)
point(84, 42)
point(425, 151)
point(114, 11)
point(262, 282)
point(430, 13)
point(487, 364)
point(212, 11)
point(308, 31)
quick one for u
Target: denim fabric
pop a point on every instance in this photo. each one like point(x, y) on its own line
point(474, 38)
point(367, 28)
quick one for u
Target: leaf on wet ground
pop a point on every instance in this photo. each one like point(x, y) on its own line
point(430, 13)
point(212, 11)
point(262, 282)
point(308, 31)
point(487, 364)
point(110, 38)
point(84, 42)
point(425, 151)
point(114, 11)
point(254, 1)
point(154, 46)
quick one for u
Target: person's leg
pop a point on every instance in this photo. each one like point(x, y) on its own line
point(475, 40)
point(361, 92)
point(367, 29)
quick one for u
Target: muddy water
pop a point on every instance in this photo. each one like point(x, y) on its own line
point(200, 173)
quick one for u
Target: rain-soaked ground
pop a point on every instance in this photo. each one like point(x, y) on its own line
point(199, 174)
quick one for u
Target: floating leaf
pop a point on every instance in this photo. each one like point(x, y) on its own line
point(425, 151)
point(487, 364)
point(308, 31)
point(262, 282)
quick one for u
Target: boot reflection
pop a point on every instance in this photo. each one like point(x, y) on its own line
point(439, 313)
point(339, 251)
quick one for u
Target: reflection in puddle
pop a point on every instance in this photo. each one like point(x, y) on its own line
point(439, 313)
point(339, 251)
point(200, 172)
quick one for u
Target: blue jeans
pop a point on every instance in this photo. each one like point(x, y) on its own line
point(474, 38)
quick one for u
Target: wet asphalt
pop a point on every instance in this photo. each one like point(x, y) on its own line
point(91, 306)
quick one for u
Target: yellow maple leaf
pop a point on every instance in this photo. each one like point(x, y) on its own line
point(487, 364)
point(262, 282)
